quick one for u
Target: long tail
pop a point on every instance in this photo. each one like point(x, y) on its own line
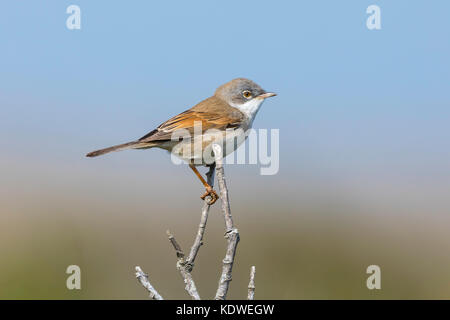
point(120, 147)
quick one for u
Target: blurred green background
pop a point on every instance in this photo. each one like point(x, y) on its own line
point(307, 240)
point(364, 147)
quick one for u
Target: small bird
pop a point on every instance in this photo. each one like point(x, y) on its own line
point(233, 106)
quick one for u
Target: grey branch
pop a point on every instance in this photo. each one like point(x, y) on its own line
point(143, 279)
point(184, 268)
point(251, 284)
point(231, 233)
point(198, 242)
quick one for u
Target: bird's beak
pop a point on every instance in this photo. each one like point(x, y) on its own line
point(267, 95)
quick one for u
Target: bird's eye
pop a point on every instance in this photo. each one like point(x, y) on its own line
point(247, 94)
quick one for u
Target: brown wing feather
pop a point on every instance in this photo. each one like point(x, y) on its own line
point(213, 113)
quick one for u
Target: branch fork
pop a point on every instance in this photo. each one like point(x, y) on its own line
point(186, 265)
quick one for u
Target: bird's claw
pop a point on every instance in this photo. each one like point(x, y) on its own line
point(212, 194)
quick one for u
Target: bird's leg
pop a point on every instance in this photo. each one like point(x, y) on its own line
point(209, 190)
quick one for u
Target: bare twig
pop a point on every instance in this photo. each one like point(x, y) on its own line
point(231, 233)
point(184, 268)
point(185, 265)
point(143, 279)
point(251, 284)
point(204, 218)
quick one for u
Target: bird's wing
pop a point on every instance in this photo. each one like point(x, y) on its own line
point(210, 113)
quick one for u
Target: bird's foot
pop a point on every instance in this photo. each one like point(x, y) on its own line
point(212, 194)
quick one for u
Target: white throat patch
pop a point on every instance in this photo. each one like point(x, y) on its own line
point(250, 108)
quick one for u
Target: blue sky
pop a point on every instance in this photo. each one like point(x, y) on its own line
point(347, 96)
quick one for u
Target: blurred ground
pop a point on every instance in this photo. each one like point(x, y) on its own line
point(308, 240)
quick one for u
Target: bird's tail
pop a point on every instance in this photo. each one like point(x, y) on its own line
point(120, 147)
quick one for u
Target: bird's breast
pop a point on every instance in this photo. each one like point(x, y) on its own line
point(199, 148)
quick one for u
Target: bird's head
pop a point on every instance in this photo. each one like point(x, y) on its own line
point(243, 94)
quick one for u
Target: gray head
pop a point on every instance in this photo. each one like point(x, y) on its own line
point(239, 91)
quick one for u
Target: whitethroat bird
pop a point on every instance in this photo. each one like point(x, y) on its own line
point(232, 108)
